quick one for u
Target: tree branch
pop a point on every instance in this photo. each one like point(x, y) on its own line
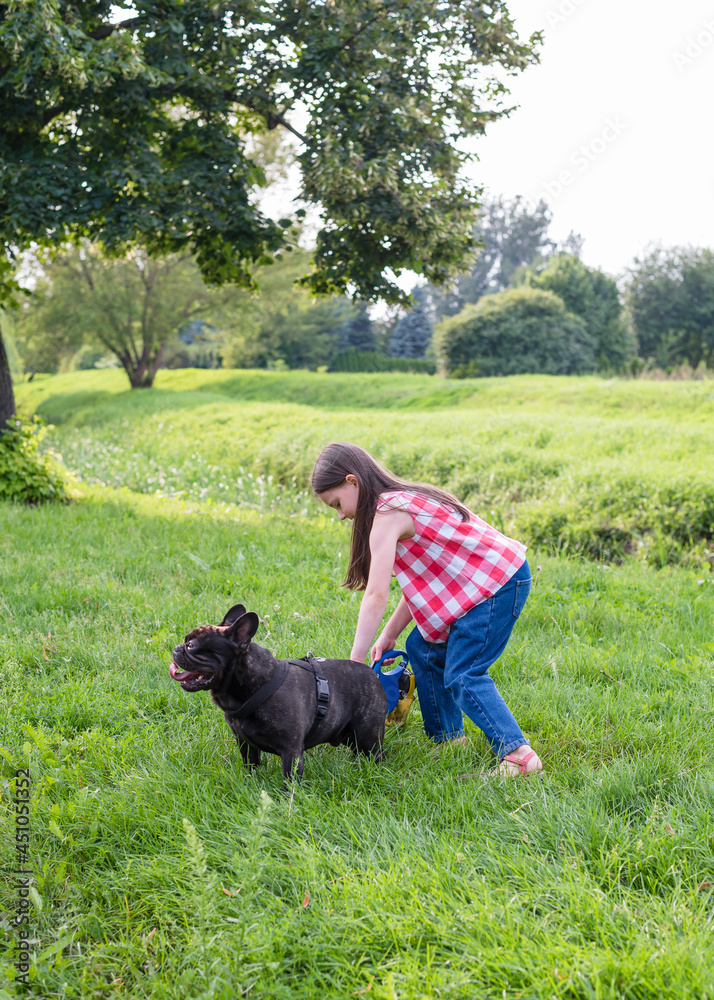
point(147, 279)
point(58, 109)
point(272, 118)
point(344, 45)
point(192, 310)
point(362, 27)
point(86, 273)
point(98, 34)
point(126, 343)
point(108, 29)
point(275, 119)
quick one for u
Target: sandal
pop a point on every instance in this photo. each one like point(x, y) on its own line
point(517, 763)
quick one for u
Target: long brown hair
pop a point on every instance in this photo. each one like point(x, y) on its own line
point(339, 460)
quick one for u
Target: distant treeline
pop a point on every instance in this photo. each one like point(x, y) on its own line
point(526, 305)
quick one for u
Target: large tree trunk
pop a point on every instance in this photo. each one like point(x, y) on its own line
point(142, 375)
point(140, 378)
point(7, 396)
point(137, 373)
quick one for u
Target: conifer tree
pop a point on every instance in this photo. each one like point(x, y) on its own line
point(358, 333)
point(412, 334)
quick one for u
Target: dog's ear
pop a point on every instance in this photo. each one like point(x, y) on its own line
point(243, 630)
point(236, 612)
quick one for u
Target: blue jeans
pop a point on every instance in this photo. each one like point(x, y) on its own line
point(452, 677)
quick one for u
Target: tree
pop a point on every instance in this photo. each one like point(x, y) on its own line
point(512, 236)
point(281, 322)
point(593, 296)
point(130, 305)
point(135, 130)
point(357, 333)
point(9, 297)
point(670, 297)
point(413, 332)
point(513, 332)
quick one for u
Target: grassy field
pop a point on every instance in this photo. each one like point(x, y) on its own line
point(164, 870)
point(578, 465)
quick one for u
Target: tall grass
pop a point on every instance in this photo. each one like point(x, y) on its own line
point(600, 468)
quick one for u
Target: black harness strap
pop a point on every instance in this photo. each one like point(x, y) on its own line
point(263, 692)
point(323, 690)
point(271, 686)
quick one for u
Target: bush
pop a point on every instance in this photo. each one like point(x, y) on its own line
point(658, 521)
point(25, 474)
point(519, 331)
point(592, 295)
point(371, 361)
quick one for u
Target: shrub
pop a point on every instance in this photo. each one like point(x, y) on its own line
point(592, 295)
point(661, 522)
point(371, 361)
point(25, 474)
point(515, 332)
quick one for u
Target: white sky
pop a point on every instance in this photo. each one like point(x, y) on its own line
point(646, 67)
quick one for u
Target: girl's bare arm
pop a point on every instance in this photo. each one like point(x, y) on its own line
point(392, 630)
point(386, 531)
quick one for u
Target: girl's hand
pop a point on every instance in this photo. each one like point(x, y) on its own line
point(383, 643)
point(391, 631)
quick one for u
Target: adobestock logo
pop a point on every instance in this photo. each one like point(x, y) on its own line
point(585, 155)
point(556, 15)
point(695, 46)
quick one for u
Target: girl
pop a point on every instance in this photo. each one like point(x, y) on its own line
point(463, 583)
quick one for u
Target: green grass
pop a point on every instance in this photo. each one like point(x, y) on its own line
point(164, 870)
point(581, 465)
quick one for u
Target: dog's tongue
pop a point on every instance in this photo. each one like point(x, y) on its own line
point(180, 675)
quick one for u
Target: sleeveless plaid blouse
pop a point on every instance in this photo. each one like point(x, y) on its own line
point(450, 565)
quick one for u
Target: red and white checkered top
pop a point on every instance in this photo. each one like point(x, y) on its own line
point(450, 565)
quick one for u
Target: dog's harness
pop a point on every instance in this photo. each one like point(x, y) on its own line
point(264, 692)
point(309, 662)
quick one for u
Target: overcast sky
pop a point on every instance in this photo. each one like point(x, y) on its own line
point(615, 127)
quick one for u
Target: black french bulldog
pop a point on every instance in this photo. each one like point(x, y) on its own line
point(222, 659)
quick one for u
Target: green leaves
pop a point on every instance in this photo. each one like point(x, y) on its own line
point(671, 301)
point(134, 130)
point(594, 297)
point(25, 475)
point(130, 306)
point(515, 331)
